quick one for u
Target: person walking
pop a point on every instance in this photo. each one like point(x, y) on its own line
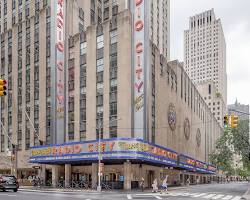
point(165, 184)
point(142, 184)
point(188, 182)
point(155, 186)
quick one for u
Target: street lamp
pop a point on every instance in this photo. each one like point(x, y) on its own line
point(7, 150)
point(99, 187)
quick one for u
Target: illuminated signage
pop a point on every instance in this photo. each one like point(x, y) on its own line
point(186, 162)
point(110, 148)
point(60, 59)
point(139, 65)
point(119, 148)
point(200, 166)
point(211, 168)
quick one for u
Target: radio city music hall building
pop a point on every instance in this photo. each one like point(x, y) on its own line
point(103, 71)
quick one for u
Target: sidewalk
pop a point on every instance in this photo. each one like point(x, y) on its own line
point(71, 190)
point(247, 195)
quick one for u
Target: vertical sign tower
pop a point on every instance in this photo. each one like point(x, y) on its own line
point(57, 70)
point(140, 44)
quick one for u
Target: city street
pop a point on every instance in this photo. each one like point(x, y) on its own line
point(232, 191)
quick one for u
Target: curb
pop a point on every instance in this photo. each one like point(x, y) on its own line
point(55, 190)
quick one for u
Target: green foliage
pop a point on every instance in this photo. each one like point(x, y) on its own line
point(243, 172)
point(223, 155)
point(240, 140)
point(233, 141)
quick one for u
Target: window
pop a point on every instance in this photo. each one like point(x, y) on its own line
point(83, 48)
point(71, 131)
point(99, 41)
point(2, 143)
point(71, 104)
point(99, 53)
point(113, 49)
point(113, 109)
point(106, 13)
point(99, 77)
point(99, 100)
point(209, 89)
point(27, 137)
point(83, 135)
point(113, 37)
point(99, 65)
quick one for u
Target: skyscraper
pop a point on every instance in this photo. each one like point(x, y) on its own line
point(205, 53)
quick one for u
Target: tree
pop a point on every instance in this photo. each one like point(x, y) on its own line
point(222, 156)
point(240, 141)
point(233, 141)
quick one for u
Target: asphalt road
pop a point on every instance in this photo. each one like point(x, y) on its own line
point(231, 191)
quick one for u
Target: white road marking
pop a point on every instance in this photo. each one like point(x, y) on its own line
point(193, 194)
point(175, 194)
point(209, 196)
point(228, 197)
point(129, 196)
point(236, 198)
point(199, 195)
point(219, 196)
point(185, 194)
point(157, 197)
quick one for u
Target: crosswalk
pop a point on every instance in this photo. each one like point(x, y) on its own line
point(197, 196)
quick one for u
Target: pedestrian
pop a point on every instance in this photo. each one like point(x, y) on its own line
point(142, 184)
point(165, 184)
point(197, 180)
point(155, 186)
point(188, 182)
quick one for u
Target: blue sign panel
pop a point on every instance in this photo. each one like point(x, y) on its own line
point(117, 149)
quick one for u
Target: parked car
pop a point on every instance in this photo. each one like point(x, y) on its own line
point(8, 182)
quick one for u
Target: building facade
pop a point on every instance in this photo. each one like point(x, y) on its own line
point(241, 110)
point(205, 53)
point(100, 70)
point(213, 99)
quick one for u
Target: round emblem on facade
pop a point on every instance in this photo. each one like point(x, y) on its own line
point(187, 128)
point(198, 137)
point(172, 117)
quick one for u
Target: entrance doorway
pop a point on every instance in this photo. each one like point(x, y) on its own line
point(111, 177)
point(150, 177)
point(48, 177)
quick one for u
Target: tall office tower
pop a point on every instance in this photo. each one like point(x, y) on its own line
point(205, 52)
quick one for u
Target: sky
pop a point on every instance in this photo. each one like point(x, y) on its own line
point(235, 17)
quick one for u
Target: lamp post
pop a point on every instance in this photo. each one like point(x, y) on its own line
point(13, 146)
point(99, 187)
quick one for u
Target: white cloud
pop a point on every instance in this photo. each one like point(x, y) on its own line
point(238, 63)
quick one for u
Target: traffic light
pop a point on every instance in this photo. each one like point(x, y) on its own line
point(234, 121)
point(226, 121)
point(3, 87)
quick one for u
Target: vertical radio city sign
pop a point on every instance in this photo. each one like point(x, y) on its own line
point(59, 96)
point(138, 8)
